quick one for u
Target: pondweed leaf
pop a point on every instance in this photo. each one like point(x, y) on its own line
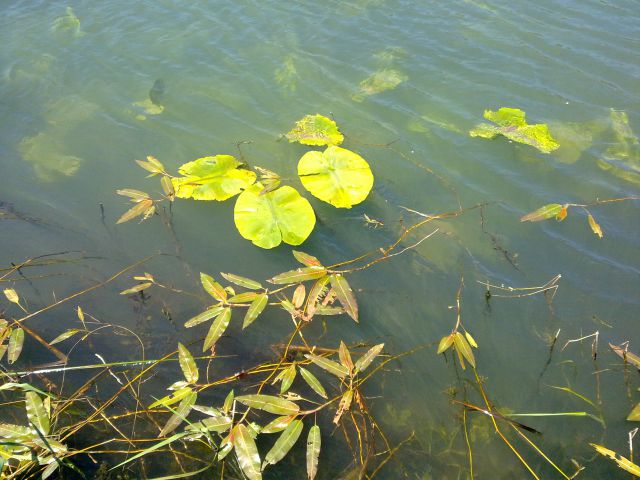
point(314, 441)
point(174, 397)
point(143, 207)
point(134, 195)
point(543, 213)
point(152, 165)
point(445, 343)
point(634, 415)
point(212, 178)
point(306, 259)
point(345, 356)
point(378, 82)
point(36, 413)
point(16, 342)
point(138, 288)
point(345, 295)
point(299, 275)
point(244, 297)
point(595, 227)
point(241, 281)
point(269, 403)
point(511, 123)
point(228, 402)
point(187, 364)
point(212, 424)
point(167, 187)
point(622, 462)
point(255, 309)
point(179, 415)
point(315, 130)
point(288, 376)
point(470, 339)
point(12, 295)
point(246, 452)
point(298, 296)
point(204, 316)
point(217, 329)
point(343, 406)
point(464, 349)
point(337, 176)
point(365, 360)
point(329, 365)
point(278, 424)
point(212, 287)
point(274, 217)
point(284, 443)
point(65, 335)
point(313, 382)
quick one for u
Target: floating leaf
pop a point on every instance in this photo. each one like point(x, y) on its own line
point(241, 281)
point(470, 339)
point(278, 424)
point(212, 178)
point(218, 327)
point(314, 441)
point(275, 217)
point(345, 356)
point(345, 295)
point(634, 415)
point(204, 316)
point(298, 296)
point(36, 413)
point(49, 469)
point(174, 397)
point(317, 292)
point(315, 130)
point(299, 275)
point(343, 406)
point(464, 349)
point(138, 288)
point(14, 432)
point(65, 335)
point(143, 207)
point(228, 402)
point(288, 376)
point(269, 403)
point(378, 82)
point(445, 343)
point(167, 187)
point(306, 259)
point(212, 287)
point(284, 444)
point(365, 360)
point(246, 452)
point(544, 213)
point(622, 462)
point(187, 364)
point(12, 295)
point(255, 309)
point(329, 365)
point(212, 424)
point(313, 382)
point(179, 415)
point(244, 297)
point(512, 124)
point(134, 195)
point(595, 227)
point(16, 342)
point(337, 176)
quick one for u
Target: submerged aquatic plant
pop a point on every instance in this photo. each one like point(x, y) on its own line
point(511, 123)
point(378, 82)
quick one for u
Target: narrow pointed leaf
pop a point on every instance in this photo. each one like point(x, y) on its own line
point(313, 382)
point(244, 297)
point(306, 259)
point(285, 442)
point(278, 424)
point(622, 462)
point(343, 406)
point(269, 403)
point(316, 293)
point(16, 342)
point(212, 424)
point(12, 295)
point(204, 316)
point(65, 335)
point(138, 209)
point(241, 281)
point(167, 187)
point(255, 309)
point(445, 343)
point(138, 288)
point(464, 349)
point(49, 469)
point(470, 339)
point(314, 441)
point(299, 275)
point(212, 287)
point(365, 360)
point(345, 356)
point(228, 402)
point(217, 329)
point(289, 375)
point(172, 398)
point(36, 412)
point(298, 296)
point(595, 227)
point(329, 365)
point(179, 415)
point(543, 213)
point(345, 295)
point(187, 364)
point(246, 452)
point(135, 195)
point(634, 415)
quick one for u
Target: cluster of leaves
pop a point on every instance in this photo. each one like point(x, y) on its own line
point(266, 212)
point(511, 123)
point(559, 212)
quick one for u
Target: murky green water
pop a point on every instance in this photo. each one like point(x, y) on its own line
point(245, 71)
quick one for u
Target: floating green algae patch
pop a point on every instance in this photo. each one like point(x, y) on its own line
point(511, 123)
point(378, 82)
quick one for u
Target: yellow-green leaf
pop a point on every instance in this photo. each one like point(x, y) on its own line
point(172, 398)
point(343, 406)
point(464, 349)
point(315, 130)
point(337, 176)
point(244, 297)
point(284, 444)
point(622, 462)
point(246, 452)
point(179, 415)
point(329, 365)
point(543, 213)
point(12, 295)
point(365, 360)
point(288, 376)
point(269, 403)
point(141, 208)
point(634, 415)
point(313, 382)
point(204, 316)
point(445, 343)
point(299, 275)
point(241, 281)
point(306, 259)
point(314, 441)
point(595, 227)
point(36, 412)
point(16, 342)
point(187, 364)
point(138, 288)
point(278, 424)
point(217, 329)
point(255, 309)
point(212, 287)
point(345, 356)
point(345, 295)
point(65, 335)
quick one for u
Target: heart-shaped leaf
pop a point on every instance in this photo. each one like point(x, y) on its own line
point(274, 217)
point(212, 178)
point(337, 176)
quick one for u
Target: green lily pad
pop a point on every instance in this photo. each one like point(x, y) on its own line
point(274, 217)
point(378, 82)
point(511, 123)
point(337, 176)
point(212, 178)
point(315, 130)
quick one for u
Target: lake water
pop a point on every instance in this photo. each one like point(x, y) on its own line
point(245, 72)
